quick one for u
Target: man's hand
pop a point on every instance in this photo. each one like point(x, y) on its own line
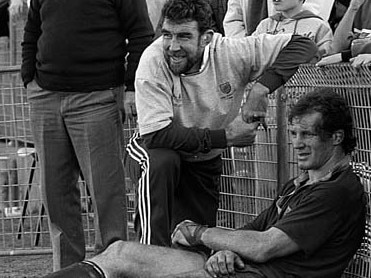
point(129, 105)
point(255, 107)
point(188, 233)
point(223, 264)
point(361, 60)
point(332, 59)
point(241, 134)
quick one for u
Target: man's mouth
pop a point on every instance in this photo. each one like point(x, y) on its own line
point(176, 59)
point(302, 155)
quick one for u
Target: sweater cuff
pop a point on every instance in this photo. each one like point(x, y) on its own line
point(271, 80)
point(218, 139)
point(346, 55)
point(27, 74)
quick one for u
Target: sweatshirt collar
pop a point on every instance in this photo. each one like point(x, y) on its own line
point(300, 15)
point(303, 178)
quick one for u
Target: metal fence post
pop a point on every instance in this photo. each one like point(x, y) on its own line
point(282, 142)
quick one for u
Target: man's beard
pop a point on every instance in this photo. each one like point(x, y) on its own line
point(185, 66)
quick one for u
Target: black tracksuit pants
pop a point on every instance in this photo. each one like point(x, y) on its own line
point(171, 190)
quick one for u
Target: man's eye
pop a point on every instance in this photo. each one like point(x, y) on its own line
point(184, 37)
point(166, 36)
point(293, 133)
point(309, 135)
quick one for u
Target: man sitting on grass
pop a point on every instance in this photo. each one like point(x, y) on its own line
point(312, 229)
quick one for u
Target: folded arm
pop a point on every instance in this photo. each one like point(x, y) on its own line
point(343, 33)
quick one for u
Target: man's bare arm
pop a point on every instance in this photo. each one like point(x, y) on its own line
point(341, 39)
point(252, 245)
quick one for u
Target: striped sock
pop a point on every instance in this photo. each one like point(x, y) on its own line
point(95, 268)
point(84, 269)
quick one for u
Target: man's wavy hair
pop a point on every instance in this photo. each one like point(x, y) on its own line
point(335, 112)
point(180, 11)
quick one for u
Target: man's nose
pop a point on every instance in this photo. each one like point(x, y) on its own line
point(297, 142)
point(174, 44)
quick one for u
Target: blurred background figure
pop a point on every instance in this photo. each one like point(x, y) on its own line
point(337, 12)
point(243, 16)
point(354, 25)
point(352, 38)
point(154, 11)
point(17, 7)
point(219, 8)
point(292, 17)
point(321, 8)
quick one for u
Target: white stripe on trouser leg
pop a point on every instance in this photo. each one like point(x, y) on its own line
point(141, 156)
point(144, 202)
point(145, 213)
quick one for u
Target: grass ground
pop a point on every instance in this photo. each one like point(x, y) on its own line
point(30, 266)
point(27, 266)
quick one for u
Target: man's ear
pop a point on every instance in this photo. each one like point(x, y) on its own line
point(206, 37)
point(338, 136)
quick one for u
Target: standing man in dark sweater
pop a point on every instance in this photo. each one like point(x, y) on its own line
point(74, 55)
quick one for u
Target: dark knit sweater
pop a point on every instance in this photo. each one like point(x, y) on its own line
point(81, 45)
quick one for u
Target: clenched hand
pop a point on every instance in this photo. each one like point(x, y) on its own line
point(241, 134)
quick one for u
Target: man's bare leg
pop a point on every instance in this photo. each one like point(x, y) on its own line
point(131, 260)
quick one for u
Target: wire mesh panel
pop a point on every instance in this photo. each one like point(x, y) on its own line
point(355, 86)
point(131, 186)
point(14, 110)
point(249, 179)
point(4, 51)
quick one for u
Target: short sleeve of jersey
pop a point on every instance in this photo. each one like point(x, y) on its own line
point(314, 219)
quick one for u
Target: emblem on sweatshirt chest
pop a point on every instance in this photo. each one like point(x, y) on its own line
point(225, 88)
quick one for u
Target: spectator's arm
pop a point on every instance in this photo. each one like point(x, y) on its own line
point(324, 39)
point(343, 33)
